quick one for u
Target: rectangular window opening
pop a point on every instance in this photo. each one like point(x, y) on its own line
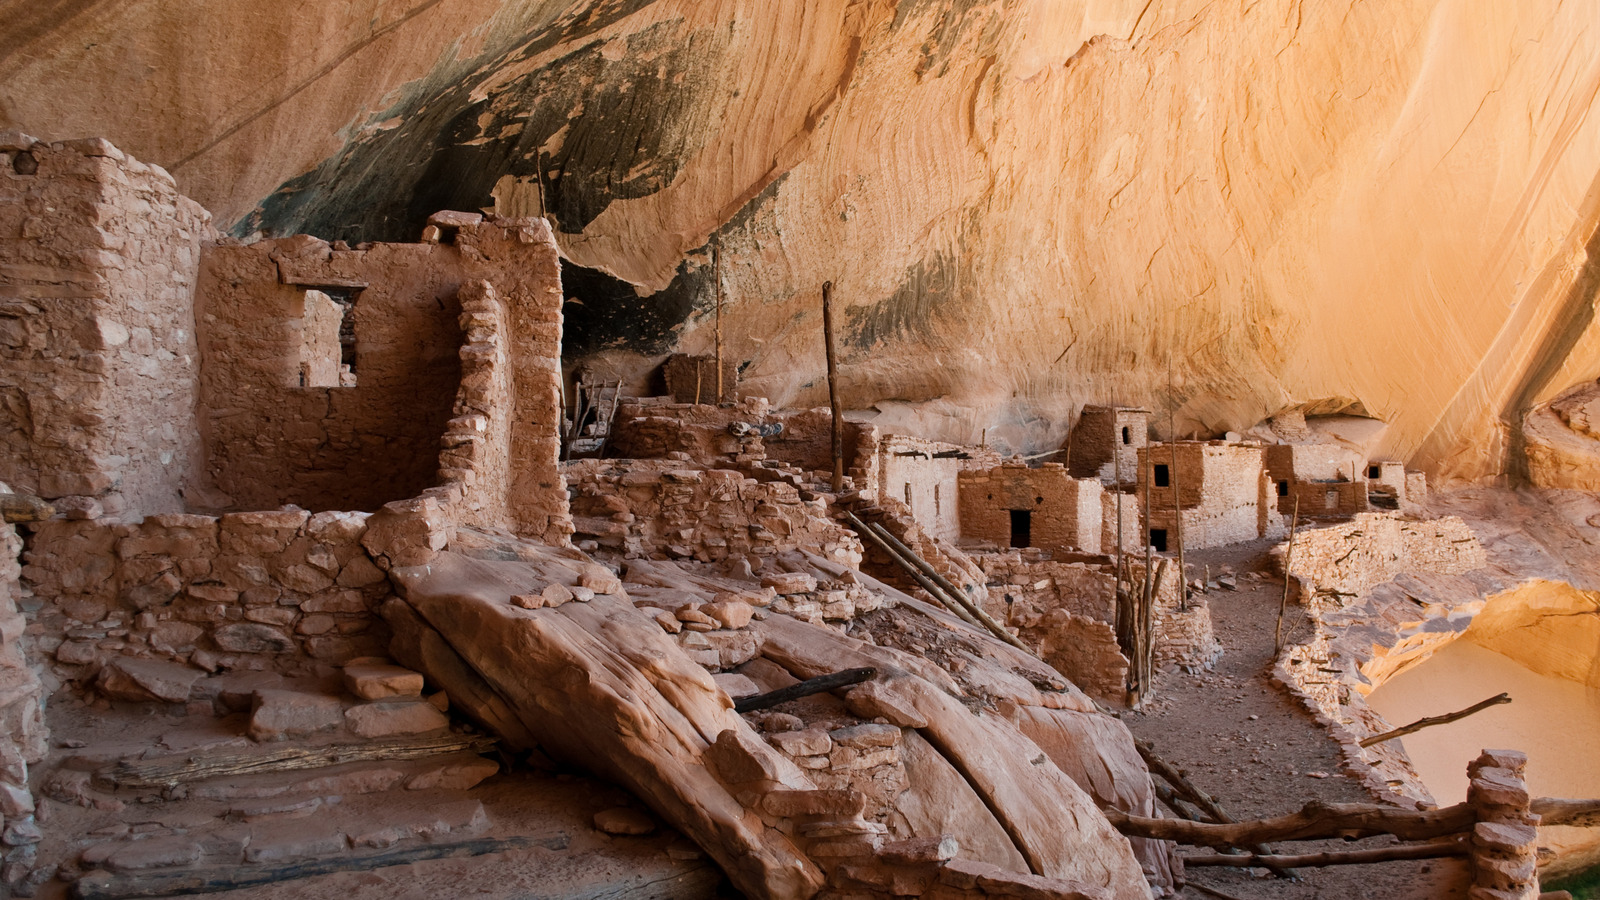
point(1163, 475)
point(1021, 528)
point(1127, 435)
point(1331, 499)
point(1158, 539)
point(908, 495)
point(1283, 489)
point(328, 338)
point(1374, 472)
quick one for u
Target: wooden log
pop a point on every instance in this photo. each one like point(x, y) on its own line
point(1429, 721)
point(1208, 890)
point(1314, 821)
point(833, 388)
point(905, 565)
point(803, 689)
point(1576, 813)
point(716, 275)
point(1332, 857)
point(101, 885)
point(1204, 801)
point(167, 771)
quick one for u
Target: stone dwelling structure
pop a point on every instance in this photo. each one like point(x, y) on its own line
point(1219, 489)
point(1329, 479)
point(1013, 505)
point(1106, 440)
point(289, 360)
point(926, 477)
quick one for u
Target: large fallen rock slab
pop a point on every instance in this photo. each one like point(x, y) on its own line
point(1051, 821)
point(600, 684)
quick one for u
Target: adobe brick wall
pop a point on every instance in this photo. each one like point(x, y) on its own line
point(97, 336)
point(1066, 513)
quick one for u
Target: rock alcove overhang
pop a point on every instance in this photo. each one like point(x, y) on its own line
point(1028, 207)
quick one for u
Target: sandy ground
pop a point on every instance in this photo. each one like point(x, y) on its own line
point(1247, 742)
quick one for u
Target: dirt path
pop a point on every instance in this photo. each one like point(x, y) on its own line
point(1243, 739)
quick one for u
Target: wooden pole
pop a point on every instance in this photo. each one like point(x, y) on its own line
point(905, 565)
point(1445, 719)
point(716, 274)
point(1177, 509)
point(833, 387)
point(803, 689)
point(1202, 800)
point(1288, 557)
point(956, 594)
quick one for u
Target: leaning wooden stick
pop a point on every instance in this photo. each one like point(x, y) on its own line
point(803, 689)
point(973, 610)
point(905, 565)
point(833, 387)
point(1288, 557)
point(1430, 721)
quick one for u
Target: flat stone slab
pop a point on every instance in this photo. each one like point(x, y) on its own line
point(280, 714)
point(390, 717)
point(371, 681)
point(129, 678)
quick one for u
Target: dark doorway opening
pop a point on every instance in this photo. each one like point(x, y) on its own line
point(1021, 528)
point(1158, 539)
point(1374, 472)
point(1163, 476)
point(1283, 489)
point(1127, 435)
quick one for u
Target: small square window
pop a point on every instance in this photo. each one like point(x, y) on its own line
point(1163, 476)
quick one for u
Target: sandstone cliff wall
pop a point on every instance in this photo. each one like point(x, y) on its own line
point(1223, 209)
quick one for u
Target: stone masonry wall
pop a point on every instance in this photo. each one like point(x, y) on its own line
point(1345, 561)
point(646, 507)
point(1065, 512)
point(1098, 446)
point(98, 255)
point(23, 735)
point(253, 590)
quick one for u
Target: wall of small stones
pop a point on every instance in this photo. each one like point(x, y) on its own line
point(23, 734)
point(668, 507)
point(255, 590)
point(1066, 513)
point(1098, 450)
point(97, 331)
point(475, 451)
point(1343, 562)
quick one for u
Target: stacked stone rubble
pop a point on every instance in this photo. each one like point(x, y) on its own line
point(475, 451)
point(643, 507)
point(23, 735)
point(1505, 839)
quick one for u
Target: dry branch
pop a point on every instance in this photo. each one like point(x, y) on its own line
point(803, 689)
point(1332, 857)
point(1204, 801)
point(1428, 721)
point(922, 580)
point(168, 771)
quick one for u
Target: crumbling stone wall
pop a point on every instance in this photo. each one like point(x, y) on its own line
point(653, 427)
point(1219, 491)
point(1066, 611)
point(476, 447)
point(23, 735)
point(643, 507)
point(1344, 562)
point(693, 379)
point(1106, 441)
point(271, 441)
point(97, 335)
point(1326, 498)
point(252, 590)
point(1064, 512)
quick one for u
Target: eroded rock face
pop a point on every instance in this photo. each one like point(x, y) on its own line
point(1024, 205)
